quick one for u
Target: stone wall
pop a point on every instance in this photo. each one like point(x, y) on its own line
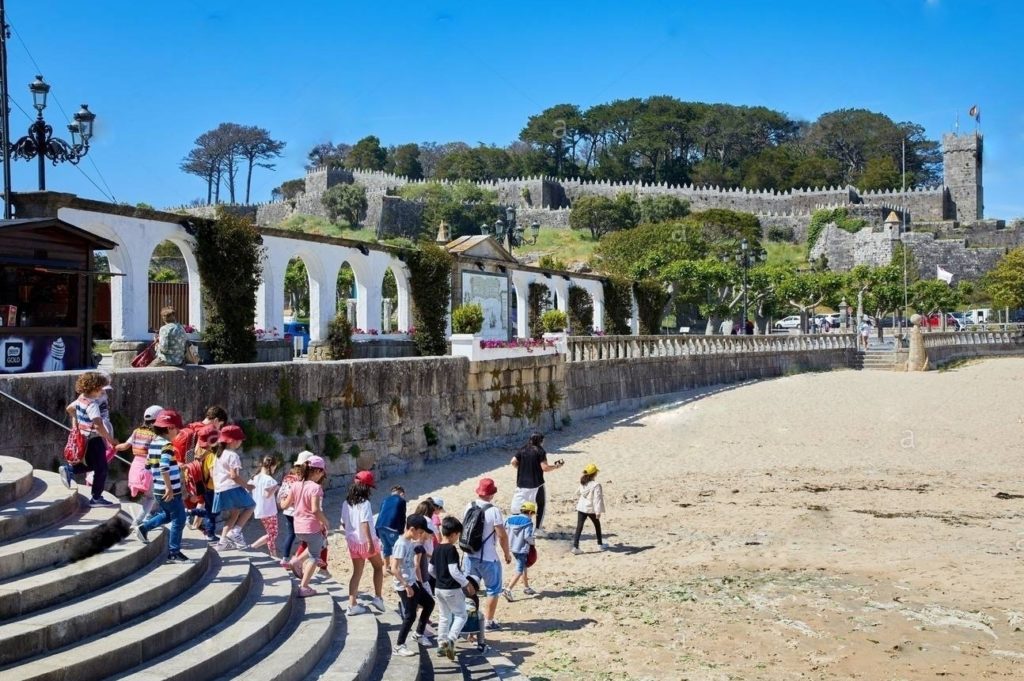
point(596, 388)
point(939, 354)
point(389, 415)
point(395, 217)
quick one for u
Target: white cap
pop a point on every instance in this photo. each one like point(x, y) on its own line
point(304, 456)
point(438, 501)
point(151, 412)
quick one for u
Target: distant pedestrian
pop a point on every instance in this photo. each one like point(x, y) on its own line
point(531, 463)
point(171, 341)
point(865, 333)
point(87, 416)
point(590, 505)
point(362, 541)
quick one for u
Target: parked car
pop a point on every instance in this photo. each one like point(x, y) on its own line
point(935, 322)
point(300, 330)
point(790, 322)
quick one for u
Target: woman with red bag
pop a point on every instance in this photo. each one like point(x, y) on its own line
point(87, 417)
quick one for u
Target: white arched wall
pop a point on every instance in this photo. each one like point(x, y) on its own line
point(596, 291)
point(135, 239)
point(402, 275)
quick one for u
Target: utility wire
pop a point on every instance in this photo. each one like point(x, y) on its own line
point(109, 193)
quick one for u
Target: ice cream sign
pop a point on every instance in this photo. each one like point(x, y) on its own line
point(38, 353)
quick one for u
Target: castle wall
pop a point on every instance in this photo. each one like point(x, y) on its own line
point(962, 174)
point(396, 218)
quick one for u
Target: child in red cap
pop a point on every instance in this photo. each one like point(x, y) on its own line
point(363, 544)
point(232, 496)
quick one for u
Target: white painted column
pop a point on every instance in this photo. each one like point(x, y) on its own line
point(634, 311)
point(369, 270)
point(195, 298)
point(404, 301)
point(561, 289)
point(521, 284)
point(598, 301)
point(270, 295)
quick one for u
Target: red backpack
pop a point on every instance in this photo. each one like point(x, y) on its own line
point(185, 442)
point(74, 450)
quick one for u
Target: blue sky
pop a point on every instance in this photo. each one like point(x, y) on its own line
point(158, 74)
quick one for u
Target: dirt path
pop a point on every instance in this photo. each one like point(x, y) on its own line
point(821, 526)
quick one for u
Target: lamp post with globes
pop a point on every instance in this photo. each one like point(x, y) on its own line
point(509, 232)
point(745, 257)
point(40, 143)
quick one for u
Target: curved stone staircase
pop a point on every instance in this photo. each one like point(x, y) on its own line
point(78, 602)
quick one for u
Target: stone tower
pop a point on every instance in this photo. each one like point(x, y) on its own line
point(961, 168)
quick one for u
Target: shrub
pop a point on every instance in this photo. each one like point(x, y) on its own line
point(467, 318)
point(651, 297)
point(229, 253)
point(347, 201)
point(618, 305)
point(339, 337)
point(780, 234)
point(554, 321)
point(840, 216)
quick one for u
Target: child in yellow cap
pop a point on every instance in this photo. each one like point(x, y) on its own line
point(590, 505)
point(519, 527)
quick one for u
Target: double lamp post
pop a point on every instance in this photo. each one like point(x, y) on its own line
point(745, 258)
point(510, 232)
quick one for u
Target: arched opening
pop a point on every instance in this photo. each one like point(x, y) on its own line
point(346, 293)
point(540, 300)
point(581, 312)
point(296, 291)
point(389, 302)
point(168, 285)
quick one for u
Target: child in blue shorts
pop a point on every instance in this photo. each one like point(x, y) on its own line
point(520, 538)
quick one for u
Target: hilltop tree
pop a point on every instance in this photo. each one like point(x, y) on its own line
point(367, 154)
point(328, 154)
point(288, 189)
point(601, 215)
point(218, 153)
point(346, 201)
point(405, 160)
point(256, 147)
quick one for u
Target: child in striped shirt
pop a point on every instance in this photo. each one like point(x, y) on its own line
point(166, 484)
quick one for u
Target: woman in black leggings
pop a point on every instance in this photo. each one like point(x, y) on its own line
point(590, 505)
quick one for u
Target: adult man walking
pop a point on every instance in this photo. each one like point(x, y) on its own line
point(531, 463)
point(484, 560)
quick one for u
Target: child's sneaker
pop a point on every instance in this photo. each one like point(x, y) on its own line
point(378, 603)
point(358, 609)
point(575, 551)
point(66, 475)
point(493, 626)
point(507, 593)
point(101, 503)
point(450, 650)
point(442, 649)
point(141, 533)
point(402, 651)
point(422, 639)
point(529, 592)
point(602, 547)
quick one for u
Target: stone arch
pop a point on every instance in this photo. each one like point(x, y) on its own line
point(316, 281)
point(345, 288)
point(168, 286)
point(395, 299)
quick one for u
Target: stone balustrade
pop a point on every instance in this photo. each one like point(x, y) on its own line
point(588, 349)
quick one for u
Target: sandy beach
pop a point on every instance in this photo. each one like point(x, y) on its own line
point(843, 525)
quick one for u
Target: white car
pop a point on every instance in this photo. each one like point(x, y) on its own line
point(790, 322)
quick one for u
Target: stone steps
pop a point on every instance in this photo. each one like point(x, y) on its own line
point(121, 611)
point(46, 502)
point(15, 479)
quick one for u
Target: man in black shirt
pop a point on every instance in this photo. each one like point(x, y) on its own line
point(531, 463)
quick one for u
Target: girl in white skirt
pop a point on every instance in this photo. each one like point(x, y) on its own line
point(232, 499)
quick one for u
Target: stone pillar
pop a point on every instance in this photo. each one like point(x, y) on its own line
point(918, 360)
point(389, 305)
point(634, 320)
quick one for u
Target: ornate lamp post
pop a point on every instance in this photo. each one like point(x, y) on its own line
point(509, 232)
point(40, 143)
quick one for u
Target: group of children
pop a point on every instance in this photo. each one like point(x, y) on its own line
point(195, 470)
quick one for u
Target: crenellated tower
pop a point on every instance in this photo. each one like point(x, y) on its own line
point(961, 168)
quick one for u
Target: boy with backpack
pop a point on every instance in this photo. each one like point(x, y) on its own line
point(482, 532)
point(521, 539)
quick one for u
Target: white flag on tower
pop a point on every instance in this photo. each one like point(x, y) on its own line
point(944, 275)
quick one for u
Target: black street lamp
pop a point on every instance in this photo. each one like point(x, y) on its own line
point(510, 232)
point(40, 143)
point(745, 258)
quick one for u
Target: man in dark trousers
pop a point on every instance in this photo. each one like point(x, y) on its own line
point(531, 463)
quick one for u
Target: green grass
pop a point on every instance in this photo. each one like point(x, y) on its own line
point(562, 243)
point(784, 253)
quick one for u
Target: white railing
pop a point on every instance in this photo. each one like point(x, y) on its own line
point(587, 348)
point(936, 339)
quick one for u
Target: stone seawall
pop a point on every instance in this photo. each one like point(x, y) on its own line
point(600, 387)
point(939, 355)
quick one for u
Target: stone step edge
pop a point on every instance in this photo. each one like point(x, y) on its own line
point(299, 646)
point(48, 631)
point(352, 655)
point(53, 544)
point(26, 514)
point(192, 614)
point(15, 479)
point(36, 590)
point(234, 640)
